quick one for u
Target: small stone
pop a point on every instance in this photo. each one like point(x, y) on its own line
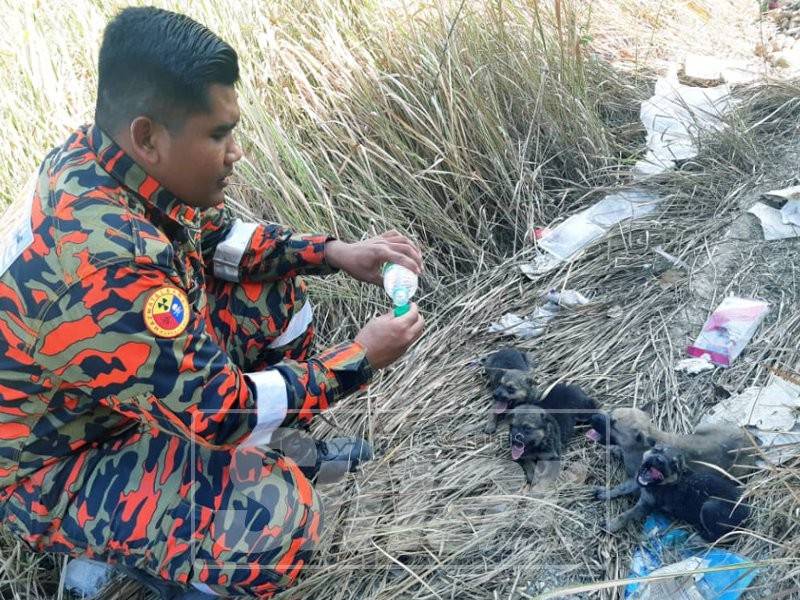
point(787, 59)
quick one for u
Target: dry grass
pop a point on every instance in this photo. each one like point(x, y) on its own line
point(440, 514)
point(463, 124)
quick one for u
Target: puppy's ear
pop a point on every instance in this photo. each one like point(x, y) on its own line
point(680, 462)
point(647, 440)
point(553, 440)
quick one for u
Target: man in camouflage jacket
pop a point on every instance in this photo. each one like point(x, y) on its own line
point(153, 343)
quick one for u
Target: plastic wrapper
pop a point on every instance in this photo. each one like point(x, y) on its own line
point(728, 329)
point(662, 540)
point(674, 116)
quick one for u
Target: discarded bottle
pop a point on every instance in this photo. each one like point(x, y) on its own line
point(401, 284)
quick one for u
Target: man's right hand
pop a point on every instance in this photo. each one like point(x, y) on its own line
point(386, 338)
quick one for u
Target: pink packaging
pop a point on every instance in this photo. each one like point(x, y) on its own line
point(728, 329)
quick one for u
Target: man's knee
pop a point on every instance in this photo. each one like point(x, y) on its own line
point(265, 533)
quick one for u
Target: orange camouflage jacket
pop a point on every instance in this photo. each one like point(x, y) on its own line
point(82, 252)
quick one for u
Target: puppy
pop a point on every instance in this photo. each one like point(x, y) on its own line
point(507, 370)
point(707, 500)
point(630, 431)
point(539, 432)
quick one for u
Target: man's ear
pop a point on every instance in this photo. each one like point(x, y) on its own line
point(146, 140)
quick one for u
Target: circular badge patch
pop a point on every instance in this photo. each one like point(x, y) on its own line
point(166, 313)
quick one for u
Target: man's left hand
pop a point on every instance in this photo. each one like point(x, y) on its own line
point(363, 260)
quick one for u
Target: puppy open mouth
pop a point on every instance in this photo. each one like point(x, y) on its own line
point(648, 475)
point(517, 449)
point(594, 435)
point(500, 406)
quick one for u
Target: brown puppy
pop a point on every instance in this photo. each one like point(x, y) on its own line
point(539, 432)
point(510, 377)
point(630, 430)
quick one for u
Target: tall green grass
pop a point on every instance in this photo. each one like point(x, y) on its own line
point(458, 122)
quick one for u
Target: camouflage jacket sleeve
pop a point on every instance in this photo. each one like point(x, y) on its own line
point(235, 250)
point(97, 345)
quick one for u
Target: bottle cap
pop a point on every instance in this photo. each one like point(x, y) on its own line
point(399, 311)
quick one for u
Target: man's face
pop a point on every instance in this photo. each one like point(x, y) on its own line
point(197, 160)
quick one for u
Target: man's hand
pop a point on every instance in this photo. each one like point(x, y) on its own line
point(386, 338)
point(363, 260)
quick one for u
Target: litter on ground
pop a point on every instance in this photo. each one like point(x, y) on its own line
point(534, 325)
point(673, 117)
point(728, 329)
point(769, 412)
point(773, 222)
point(693, 366)
point(687, 583)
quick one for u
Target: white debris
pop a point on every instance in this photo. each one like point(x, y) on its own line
point(513, 324)
point(569, 298)
point(542, 263)
point(571, 236)
point(629, 204)
point(693, 366)
point(772, 222)
point(788, 58)
point(703, 69)
point(728, 329)
point(581, 229)
point(674, 582)
point(790, 212)
point(535, 324)
point(674, 116)
point(770, 412)
point(790, 193)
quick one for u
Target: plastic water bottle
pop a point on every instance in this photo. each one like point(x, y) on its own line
point(401, 284)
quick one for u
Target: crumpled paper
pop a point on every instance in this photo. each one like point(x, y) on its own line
point(773, 222)
point(770, 412)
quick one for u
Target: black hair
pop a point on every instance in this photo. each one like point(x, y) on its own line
point(158, 64)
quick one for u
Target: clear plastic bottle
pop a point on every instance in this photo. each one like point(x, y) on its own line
point(401, 284)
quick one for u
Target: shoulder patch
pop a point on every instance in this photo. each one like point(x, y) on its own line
point(166, 313)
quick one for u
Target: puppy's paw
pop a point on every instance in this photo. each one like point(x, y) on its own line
point(616, 525)
point(601, 493)
point(526, 489)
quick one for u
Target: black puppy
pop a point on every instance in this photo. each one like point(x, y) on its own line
point(503, 367)
point(539, 432)
point(707, 500)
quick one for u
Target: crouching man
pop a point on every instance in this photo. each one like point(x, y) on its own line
point(153, 345)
